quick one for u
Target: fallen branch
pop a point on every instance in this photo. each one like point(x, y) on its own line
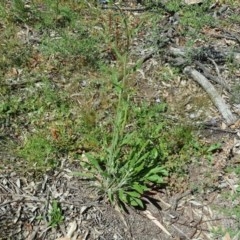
point(213, 94)
point(235, 56)
point(208, 75)
point(140, 9)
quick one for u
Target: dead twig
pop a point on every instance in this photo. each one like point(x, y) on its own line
point(20, 84)
point(127, 9)
point(221, 80)
point(208, 75)
point(219, 129)
point(156, 222)
point(213, 94)
point(174, 205)
point(235, 56)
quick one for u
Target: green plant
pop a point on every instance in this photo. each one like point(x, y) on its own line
point(235, 98)
point(39, 151)
point(80, 45)
point(3, 11)
point(20, 11)
point(174, 5)
point(134, 159)
point(233, 3)
point(55, 214)
point(207, 150)
point(197, 19)
point(232, 211)
point(128, 165)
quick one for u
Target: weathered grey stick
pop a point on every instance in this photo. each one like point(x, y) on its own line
point(183, 53)
point(213, 94)
point(208, 75)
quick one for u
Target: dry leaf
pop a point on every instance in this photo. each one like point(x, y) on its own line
point(54, 133)
point(190, 2)
point(72, 229)
point(155, 221)
point(226, 237)
point(63, 238)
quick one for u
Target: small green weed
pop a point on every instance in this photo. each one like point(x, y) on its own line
point(38, 151)
point(35, 102)
point(20, 11)
point(206, 150)
point(42, 15)
point(12, 54)
point(235, 18)
point(193, 17)
point(55, 214)
point(197, 19)
point(233, 3)
point(233, 212)
point(80, 44)
point(3, 11)
point(174, 5)
point(235, 98)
